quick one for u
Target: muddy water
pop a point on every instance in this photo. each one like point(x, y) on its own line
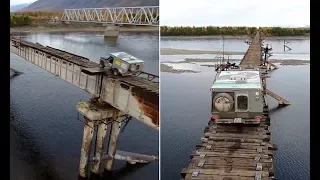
point(185, 111)
point(45, 133)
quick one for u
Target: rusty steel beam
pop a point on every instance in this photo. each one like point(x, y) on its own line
point(136, 96)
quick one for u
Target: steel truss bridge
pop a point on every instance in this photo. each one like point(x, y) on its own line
point(144, 15)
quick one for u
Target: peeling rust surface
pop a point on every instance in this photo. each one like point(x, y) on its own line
point(148, 102)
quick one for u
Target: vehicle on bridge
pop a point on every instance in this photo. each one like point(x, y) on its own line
point(122, 63)
point(237, 97)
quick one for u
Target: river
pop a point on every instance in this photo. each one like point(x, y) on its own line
point(185, 107)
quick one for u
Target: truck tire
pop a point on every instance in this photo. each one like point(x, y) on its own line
point(223, 102)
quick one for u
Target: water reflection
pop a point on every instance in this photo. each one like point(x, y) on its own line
point(111, 41)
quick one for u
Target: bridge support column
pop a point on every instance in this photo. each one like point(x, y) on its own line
point(95, 114)
point(101, 134)
point(115, 131)
point(101, 115)
point(111, 31)
point(86, 146)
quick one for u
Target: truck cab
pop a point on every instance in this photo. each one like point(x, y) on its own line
point(122, 63)
point(237, 97)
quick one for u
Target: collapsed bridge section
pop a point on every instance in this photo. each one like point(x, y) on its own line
point(137, 96)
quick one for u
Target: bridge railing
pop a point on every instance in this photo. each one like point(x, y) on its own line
point(147, 15)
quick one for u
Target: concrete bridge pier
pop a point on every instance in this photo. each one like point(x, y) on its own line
point(85, 148)
point(98, 117)
point(112, 31)
point(101, 134)
point(112, 147)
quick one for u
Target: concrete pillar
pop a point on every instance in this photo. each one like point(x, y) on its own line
point(111, 31)
point(111, 41)
point(115, 130)
point(101, 134)
point(86, 146)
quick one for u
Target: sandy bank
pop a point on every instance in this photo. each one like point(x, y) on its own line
point(233, 37)
point(281, 62)
point(166, 68)
point(171, 51)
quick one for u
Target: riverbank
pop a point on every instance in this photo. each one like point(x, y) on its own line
point(165, 66)
point(201, 60)
point(170, 69)
point(172, 51)
point(79, 28)
point(233, 37)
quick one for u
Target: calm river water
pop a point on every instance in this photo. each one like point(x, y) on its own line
point(185, 108)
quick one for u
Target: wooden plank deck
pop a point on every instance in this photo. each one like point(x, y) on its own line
point(233, 152)
point(254, 54)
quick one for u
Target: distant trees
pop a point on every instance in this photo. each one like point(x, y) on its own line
point(28, 18)
point(20, 21)
point(233, 31)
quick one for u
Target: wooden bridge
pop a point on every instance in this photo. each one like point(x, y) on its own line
point(237, 152)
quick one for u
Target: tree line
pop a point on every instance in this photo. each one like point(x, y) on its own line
point(28, 18)
point(20, 21)
point(232, 31)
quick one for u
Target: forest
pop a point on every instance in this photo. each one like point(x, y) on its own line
point(232, 31)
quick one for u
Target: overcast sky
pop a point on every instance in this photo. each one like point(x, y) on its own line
point(15, 2)
point(230, 12)
point(235, 12)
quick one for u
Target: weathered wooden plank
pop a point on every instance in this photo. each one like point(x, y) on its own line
point(219, 177)
point(235, 145)
point(234, 139)
point(232, 135)
point(235, 151)
point(210, 160)
point(222, 164)
point(230, 147)
point(242, 131)
point(227, 144)
point(230, 167)
point(233, 172)
point(233, 155)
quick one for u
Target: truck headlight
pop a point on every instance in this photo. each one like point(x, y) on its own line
point(132, 67)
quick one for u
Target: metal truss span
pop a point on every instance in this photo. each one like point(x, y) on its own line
point(145, 15)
